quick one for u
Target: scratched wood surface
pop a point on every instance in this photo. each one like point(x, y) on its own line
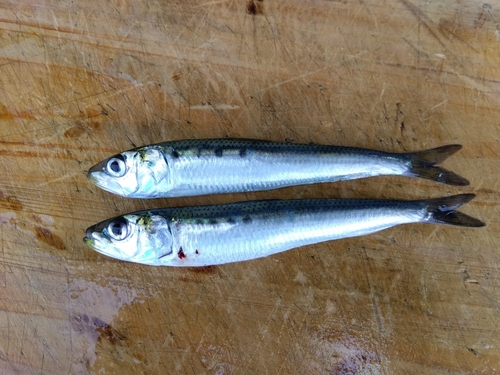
point(81, 80)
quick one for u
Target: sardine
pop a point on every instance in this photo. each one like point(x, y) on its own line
point(218, 234)
point(214, 166)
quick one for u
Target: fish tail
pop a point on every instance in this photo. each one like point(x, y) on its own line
point(444, 211)
point(423, 165)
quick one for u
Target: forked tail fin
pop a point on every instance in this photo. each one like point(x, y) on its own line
point(444, 211)
point(423, 165)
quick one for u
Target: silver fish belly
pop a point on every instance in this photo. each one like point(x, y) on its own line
point(213, 235)
point(214, 166)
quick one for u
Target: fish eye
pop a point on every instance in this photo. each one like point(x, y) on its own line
point(116, 166)
point(118, 229)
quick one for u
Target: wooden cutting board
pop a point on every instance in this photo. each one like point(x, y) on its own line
point(82, 80)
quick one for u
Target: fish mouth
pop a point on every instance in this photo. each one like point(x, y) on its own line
point(99, 178)
point(94, 235)
point(99, 167)
point(89, 242)
point(96, 241)
point(89, 232)
point(115, 185)
point(97, 175)
point(89, 239)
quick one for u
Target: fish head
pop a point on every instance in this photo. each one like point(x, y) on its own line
point(141, 238)
point(138, 173)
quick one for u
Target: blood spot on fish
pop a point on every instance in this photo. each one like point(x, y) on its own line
point(247, 219)
point(181, 254)
point(175, 154)
point(243, 152)
point(219, 151)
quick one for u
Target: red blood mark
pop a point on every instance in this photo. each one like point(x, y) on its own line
point(181, 254)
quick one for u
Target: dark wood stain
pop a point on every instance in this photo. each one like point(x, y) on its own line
point(51, 239)
point(356, 363)
point(37, 219)
point(37, 154)
point(185, 279)
point(11, 203)
point(54, 150)
point(82, 127)
point(96, 321)
point(205, 269)
point(75, 132)
point(176, 76)
point(255, 7)
point(5, 114)
point(94, 125)
point(110, 334)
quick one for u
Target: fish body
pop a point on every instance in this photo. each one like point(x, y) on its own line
point(214, 166)
point(218, 234)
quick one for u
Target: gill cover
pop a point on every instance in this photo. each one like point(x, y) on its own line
point(138, 173)
point(139, 238)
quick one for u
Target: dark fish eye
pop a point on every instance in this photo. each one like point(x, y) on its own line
point(118, 229)
point(116, 166)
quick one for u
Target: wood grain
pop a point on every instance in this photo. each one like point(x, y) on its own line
point(82, 80)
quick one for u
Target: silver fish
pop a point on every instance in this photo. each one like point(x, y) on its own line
point(214, 166)
point(212, 235)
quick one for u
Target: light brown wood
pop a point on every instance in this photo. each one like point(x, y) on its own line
point(81, 80)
